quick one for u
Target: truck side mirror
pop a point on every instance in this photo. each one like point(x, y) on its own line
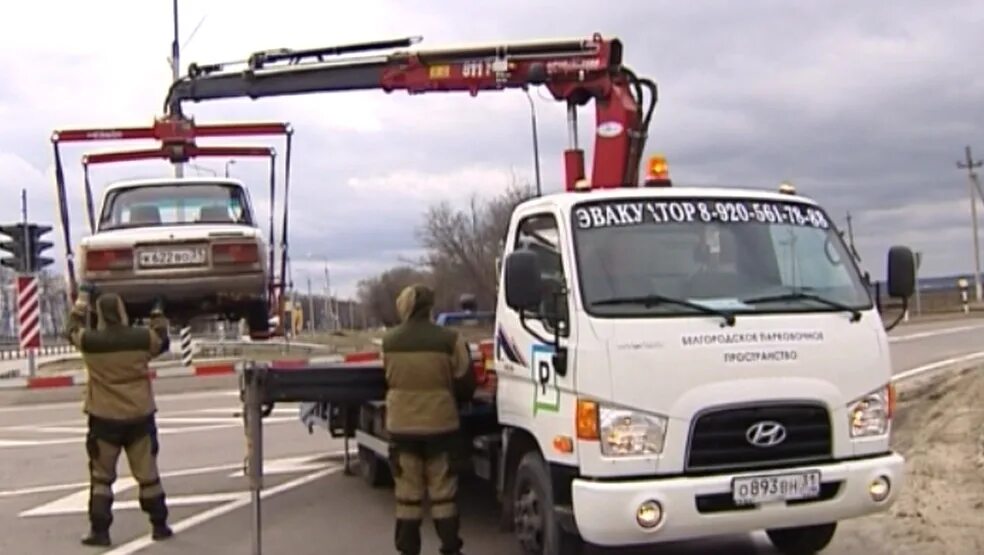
point(524, 286)
point(901, 272)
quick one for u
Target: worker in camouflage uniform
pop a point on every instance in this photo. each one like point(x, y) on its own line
point(428, 372)
point(119, 402)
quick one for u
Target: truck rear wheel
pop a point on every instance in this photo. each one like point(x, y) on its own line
point(374, 470)
point(802, 540)
point(535, 520)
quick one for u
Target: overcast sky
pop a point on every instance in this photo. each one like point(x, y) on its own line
point(866, 106)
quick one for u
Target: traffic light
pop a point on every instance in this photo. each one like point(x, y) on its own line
point(26, 249)
point(37, 260)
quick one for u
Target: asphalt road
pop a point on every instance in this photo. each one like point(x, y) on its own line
point(310, 506)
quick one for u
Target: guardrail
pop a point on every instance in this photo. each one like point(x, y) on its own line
point(202, 348)
point(45, 350)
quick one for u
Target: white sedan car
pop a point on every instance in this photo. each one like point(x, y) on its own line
point(193, 242)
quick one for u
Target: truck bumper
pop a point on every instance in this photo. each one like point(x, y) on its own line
point(692, 507)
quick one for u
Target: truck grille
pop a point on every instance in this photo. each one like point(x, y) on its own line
point(718, 438)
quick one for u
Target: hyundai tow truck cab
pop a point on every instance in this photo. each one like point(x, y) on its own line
point(684, 362)
point(193, 241)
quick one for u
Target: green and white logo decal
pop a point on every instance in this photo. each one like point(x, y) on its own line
point(546, 393)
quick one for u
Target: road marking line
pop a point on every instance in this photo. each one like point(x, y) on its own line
point(936, 366)
point(79, 502)
point(195, 471)
point(933, 333)
point(165, 397)
point(145, 541)
point(76, 502)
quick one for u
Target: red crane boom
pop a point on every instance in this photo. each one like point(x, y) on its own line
point(574, 71)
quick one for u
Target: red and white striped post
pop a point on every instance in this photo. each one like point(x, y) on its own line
point(29, 318)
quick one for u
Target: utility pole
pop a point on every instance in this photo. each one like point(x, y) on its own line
point(176, 73)
point(310, 304)
point(329, 314)
point(970, 165)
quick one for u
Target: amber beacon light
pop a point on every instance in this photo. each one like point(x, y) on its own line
point(658, 172)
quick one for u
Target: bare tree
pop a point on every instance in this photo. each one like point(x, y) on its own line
point(463, 244)
point(378, 294)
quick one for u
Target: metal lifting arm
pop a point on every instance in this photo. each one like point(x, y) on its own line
point(574, 71)
point(176, 136)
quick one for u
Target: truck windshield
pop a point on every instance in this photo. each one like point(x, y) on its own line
point(174, 204)
point(732, 255)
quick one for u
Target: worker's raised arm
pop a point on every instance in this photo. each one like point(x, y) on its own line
point(160, 342)
point(78, 315)
point(464, 376)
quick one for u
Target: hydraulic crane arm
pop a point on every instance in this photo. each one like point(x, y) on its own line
point(574, 71)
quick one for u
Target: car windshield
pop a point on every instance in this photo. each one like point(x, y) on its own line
point(733, 255)
point(175, 204)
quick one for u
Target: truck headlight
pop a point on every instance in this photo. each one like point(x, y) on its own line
point(871, 414)
point(627, 433)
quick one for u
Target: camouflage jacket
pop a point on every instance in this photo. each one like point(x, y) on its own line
point(428, 370)
point(116, 357)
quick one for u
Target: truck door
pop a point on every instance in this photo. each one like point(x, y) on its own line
point(534, 393)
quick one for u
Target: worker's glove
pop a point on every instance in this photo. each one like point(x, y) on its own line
point(87, 292)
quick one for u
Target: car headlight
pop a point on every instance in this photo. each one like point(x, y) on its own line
point(627, 433)
point(871, 414)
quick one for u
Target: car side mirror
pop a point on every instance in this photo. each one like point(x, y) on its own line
point(901, 272)
point(524, 284)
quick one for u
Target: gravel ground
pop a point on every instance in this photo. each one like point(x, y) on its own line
point(940, 430)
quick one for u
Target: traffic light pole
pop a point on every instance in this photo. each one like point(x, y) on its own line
point(28, 270)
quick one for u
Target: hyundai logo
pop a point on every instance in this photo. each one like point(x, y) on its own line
point(766, 434)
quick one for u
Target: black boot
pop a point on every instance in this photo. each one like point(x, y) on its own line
point(408, 536)
point(100, 519)
point(97, 538)
point(447, 531)
point(156, 509)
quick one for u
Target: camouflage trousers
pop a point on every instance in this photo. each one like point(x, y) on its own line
point(105, 441)
point(422, 470)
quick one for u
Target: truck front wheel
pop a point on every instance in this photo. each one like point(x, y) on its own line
point(535, 520)
point(802, 540)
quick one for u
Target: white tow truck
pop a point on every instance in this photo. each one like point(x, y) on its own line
point(667, 363)
point(674, 363)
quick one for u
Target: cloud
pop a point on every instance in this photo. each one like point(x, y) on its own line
point(865, 106)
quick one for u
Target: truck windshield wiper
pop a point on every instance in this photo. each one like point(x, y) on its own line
point(798, 294)
point(654, 300)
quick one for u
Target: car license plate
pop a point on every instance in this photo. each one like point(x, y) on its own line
point(752, 490)
point(162, 258)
